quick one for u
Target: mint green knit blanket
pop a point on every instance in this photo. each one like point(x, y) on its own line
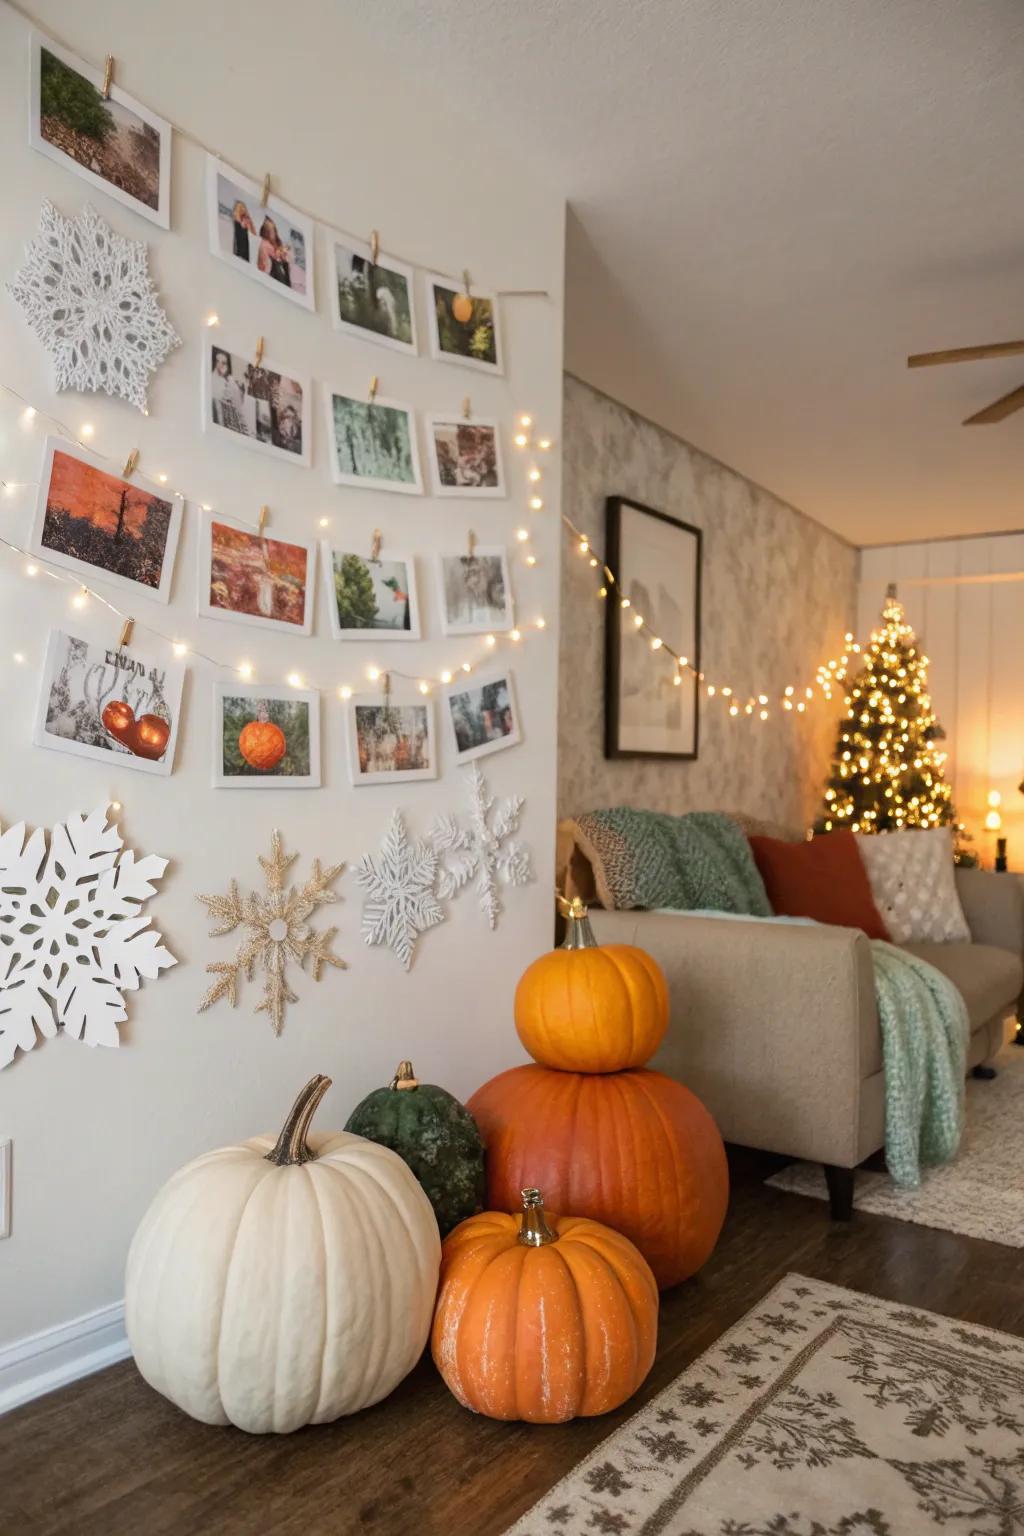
point(924, 1048)
point(649, 859)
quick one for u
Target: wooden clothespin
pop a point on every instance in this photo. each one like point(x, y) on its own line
point(126, 634)
point(265, 191)
point(466, 407)
point(373, 388)
point(108, 76)
point(259, 352)
point(471, 544)
point(386, 686)
point(130, 464)
point(264, 514)
point(374, 247)
point(465, 283)
point(375, 546)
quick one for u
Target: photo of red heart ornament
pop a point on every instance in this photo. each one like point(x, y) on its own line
point(146, 737)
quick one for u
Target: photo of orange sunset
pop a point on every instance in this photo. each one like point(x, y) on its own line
point(105, 522)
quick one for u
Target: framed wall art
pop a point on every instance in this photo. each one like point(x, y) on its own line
point(656, 559)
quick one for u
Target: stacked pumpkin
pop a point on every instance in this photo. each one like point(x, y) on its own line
point(603, 1136)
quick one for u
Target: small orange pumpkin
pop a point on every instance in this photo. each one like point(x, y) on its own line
point(262, 744)
point(462, 308)
point(583, 1008)
point(634, 1149)
point(542, 1318)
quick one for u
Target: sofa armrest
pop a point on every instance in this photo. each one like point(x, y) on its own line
point(993, 908)
point(774, 1026)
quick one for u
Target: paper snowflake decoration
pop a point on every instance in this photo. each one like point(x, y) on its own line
point(87, 294)
point(277, 932)
point(401, 902)
point(486, 853)
point(72, 937)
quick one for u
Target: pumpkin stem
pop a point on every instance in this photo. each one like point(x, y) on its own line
point(578, 932)
point(534, 1231)
point(291, 1146)
point(405, 1077)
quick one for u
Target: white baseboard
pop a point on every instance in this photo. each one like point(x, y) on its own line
point(56, 1356)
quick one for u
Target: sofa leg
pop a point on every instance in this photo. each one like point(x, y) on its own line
point(985, 1072)
point(840, 1191)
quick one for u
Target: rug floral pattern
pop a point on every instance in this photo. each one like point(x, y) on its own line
point(824, 1412)
point(980, 1193)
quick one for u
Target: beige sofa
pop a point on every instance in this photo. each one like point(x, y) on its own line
point(775, 1027)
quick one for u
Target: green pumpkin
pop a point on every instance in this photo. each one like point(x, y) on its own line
point(435, 1135)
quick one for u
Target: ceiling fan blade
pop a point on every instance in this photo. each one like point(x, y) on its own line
point(966, 354)
point(999, 409)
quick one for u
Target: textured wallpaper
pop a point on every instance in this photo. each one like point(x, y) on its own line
point(779, 591)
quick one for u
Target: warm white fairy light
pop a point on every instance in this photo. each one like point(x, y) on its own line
point(80, 599)
point(520, 439)
point(294, 680)
point(325, 522)
point(490, 642)
point(28, 415)
point(19, 656)
point(31, 569)
point(86, 429)
point(115, 805)
point(584, 546)
point(180, 648)
point(245, 669)
point(162, 479)
point(656, 643)
point(625, 602)
point(446, 677)
point(536, 502)
point(213, 318)
point(533, 475)
point(522, 534)
point(515, 634)
point(543, 443)
point(344, 692)
point(423, 686)
point(526, 421)
point(206, 507)
point(677, 681)
point(373, 673)
point(539, 623)
point(638, 620)
point(466, 667)
point(531, 559)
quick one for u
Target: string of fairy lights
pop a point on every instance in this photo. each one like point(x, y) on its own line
point(757, 704)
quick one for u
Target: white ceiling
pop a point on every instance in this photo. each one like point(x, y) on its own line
point(771, 203)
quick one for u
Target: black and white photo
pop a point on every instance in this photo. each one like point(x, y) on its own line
point(259, 405)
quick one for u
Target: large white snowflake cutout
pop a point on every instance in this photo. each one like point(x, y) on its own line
point(71, 935)
point(486, 853)
point(87, 294)
point(401, 902)
point(277, 932)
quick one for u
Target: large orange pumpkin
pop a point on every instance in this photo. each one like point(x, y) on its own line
point(262, 744)
point(542, 1318)
point(636, 1150)
point(582, 1008)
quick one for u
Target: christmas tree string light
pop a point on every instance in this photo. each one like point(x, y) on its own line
point(887, 772)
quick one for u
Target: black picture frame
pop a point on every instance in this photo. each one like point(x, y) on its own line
point(618, 561)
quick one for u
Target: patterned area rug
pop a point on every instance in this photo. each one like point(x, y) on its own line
point(980, 1194)
point(822, 1413)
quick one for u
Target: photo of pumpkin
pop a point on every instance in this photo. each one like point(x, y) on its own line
point(145, 737)
point(542, 1318)
point(634, 1149)
point(591, 1008)
point(432, 1132)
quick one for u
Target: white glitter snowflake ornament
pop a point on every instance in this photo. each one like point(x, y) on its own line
point(87, 294)
point(277, 932)
point(72, 937)
point(401, 902)
point(486, 853)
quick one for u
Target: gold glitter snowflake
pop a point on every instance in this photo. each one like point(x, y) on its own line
point(277, 932)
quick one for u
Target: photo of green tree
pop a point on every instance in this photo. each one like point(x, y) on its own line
point(107, 138)
point(371, 594)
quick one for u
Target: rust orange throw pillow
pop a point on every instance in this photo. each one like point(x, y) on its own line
point(824, 879)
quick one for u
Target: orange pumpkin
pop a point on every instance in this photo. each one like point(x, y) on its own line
point(542, 1318)
point(636, 1150)
point(152, 733)
point(118, 719)
point(582, 1008)
point(462, 308)
point(262, 744)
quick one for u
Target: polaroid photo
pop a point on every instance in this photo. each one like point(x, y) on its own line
point(270, 242)
point(476, 592)
point(483, 715)
point(265, 407)
point(100, 525)
point(369, 597)
point(252, 579)
point(465, 456)
point(374, 299)
point(373, 444)
point(463, 326)
point(265, 737)
point(116, 145)
point(391, 743)
point(116, 705)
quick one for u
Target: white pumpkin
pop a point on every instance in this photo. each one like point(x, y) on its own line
point(272, 1285)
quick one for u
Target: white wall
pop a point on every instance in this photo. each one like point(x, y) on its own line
point(972, 626)
point(319, 105)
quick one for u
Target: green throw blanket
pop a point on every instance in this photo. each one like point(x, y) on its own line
point(646, 859)
point(924, 1048)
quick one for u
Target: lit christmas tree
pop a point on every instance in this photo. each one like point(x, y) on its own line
point(887, 772)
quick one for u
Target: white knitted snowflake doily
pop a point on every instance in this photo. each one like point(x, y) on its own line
point(87, 294)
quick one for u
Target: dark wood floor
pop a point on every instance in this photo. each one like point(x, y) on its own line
point(109, 1456)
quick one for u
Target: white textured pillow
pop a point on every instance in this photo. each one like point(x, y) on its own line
point(911, 879)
